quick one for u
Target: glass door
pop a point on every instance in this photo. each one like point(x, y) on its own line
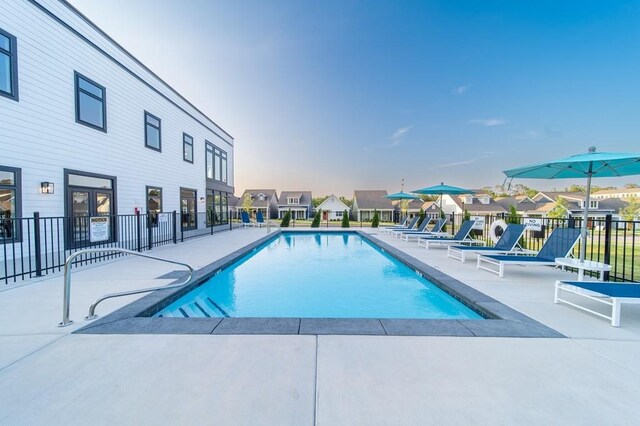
point(87, 203)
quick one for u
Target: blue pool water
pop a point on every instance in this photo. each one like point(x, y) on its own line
point(318, 275)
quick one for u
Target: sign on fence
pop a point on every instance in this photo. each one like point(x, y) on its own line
point(532, 224)
point(99, 229)
point(163, 218)
point(479, 222)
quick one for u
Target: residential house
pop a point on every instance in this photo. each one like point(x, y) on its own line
point(598, 208)
point(623, 193)
point(332, 208)
point(263, 200)
point(366, 202)
point(298, 202)
point(476, 204)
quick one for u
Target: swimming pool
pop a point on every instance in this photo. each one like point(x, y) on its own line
point(318, 275)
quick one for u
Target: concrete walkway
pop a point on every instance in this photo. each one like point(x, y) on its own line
point(49, 376)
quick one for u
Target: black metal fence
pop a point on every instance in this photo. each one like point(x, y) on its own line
point(614, 242)
point(37, 246)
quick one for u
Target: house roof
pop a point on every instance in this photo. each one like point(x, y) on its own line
point(371, 199)
point(618, 191)
point(303, 196)
point(255, 202)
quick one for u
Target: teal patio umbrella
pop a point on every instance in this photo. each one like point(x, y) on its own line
point(401, 196)
point(591, 164)
point(441, 190)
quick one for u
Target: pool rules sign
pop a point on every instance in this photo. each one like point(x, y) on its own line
point(99, 229)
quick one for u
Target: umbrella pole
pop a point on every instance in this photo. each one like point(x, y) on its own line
point(583, 234)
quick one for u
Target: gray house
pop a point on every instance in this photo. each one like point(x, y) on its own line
point(366, 202)
point(264, 200)
point(299, 202)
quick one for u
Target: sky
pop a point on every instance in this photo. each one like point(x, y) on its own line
point(336, 95)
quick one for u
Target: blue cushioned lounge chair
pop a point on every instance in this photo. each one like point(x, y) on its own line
point(461, 237)
point(245, 220)
point(259, 219)
point(608, 293)
point(507, 243)
point(435, 230)
point(559, 244)
point(390, 229)
point(397, 232)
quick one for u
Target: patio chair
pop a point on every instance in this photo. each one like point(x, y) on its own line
point(245, 220)
point(608, 293)
point(461, 237)
point(559, 244)
point(259, 220)
point(389, 229)
point(436, 230)
point(397, 232)
point(508, 243)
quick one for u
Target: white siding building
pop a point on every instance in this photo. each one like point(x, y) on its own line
point(332, 208)
point(81, 116)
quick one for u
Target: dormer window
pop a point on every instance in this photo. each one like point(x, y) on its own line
point(468, 199)
point(261, 197)
point(293, 200)
point(593, 204)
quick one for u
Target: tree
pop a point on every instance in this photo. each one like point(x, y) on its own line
point(513, 217)
point(376, 219)
point(316, 219)
point(286, 220)
point(560, 210)
point(316, 201)
point(345, 219)
point(631, 185)
point(466, 215)
point(346, 201)
point(421, 217)
point(404, 206)
point(632, 210)
point(247, 202)
point(576, 188)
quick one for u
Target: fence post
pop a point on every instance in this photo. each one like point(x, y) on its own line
point(175, 233)
point(229, 218)
point(453, 223)
point(138, 232)
point(149, 232)
point(36, 242)
point(607, 243)
point(211, 217)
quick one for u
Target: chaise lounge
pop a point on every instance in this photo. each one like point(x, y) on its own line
point(435, 230)
point(461, 237)
point(559, 244)
point(508, 243)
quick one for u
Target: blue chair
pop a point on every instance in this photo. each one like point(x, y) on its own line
point(559, 244)
point(435, 230)
point(507, 243)
point(410, 225)
point(259, 219)
point(423, 225)
point(461, 237)
point(616, 293)
point(245, 220)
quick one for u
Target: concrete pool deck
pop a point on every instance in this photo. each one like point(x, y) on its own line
point(50, 376)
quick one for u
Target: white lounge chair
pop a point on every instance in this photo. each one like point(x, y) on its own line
point(436, 230)
point(461, 237)
point(559, 244)
point(507, 243)
point(608, 293)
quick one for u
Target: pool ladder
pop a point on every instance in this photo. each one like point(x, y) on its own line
point(67, 281)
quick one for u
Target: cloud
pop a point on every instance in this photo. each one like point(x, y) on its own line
point(399, 134)
point(460, 90)
point(482, 156)
point(489, 122)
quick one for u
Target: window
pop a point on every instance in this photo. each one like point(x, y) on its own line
point(216, 163)
point(339, 214)
point(593, 204)
point(152, 137)
point(217, 208)
point(188, 208)
point(8, 66)
point(154, 204)
point(91, 107)
point(10, 195)
point(187, 148)
point(292, 200)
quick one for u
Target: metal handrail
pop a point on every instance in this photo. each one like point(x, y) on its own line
point(67, 281)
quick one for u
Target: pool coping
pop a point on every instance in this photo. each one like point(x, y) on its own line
point(500, 320)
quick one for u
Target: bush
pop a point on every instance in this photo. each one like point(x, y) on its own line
point(285, 220)
point(316, 219)
point(376, 219)
point(513, 217)
point(421, 217)
point(467, 215)
point(345, 219)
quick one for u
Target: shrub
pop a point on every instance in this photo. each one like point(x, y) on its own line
point(316, 219)
point(345, 219)
point(285, 220)
point(421, 217)
point(376, 219)
point(513, 217)
point(467, 215)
